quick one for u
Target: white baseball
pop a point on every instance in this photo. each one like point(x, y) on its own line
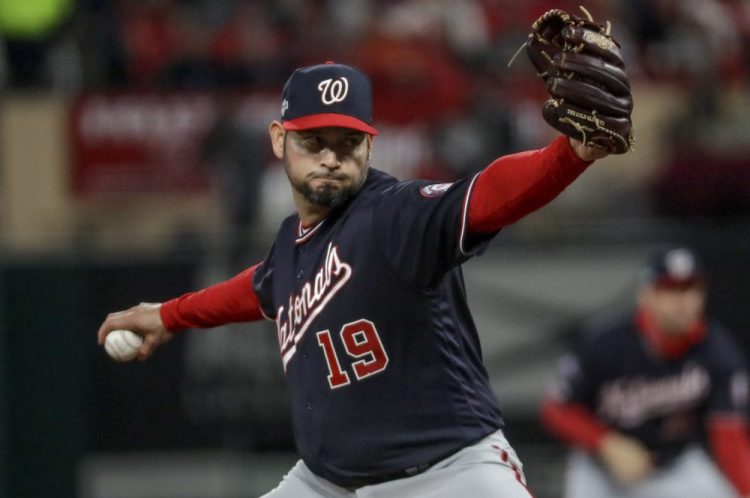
point(122, 345)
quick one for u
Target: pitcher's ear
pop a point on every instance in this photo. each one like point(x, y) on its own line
point(277, 133)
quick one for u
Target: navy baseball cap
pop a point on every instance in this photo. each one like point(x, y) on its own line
point(327, 95)
point(673, 268)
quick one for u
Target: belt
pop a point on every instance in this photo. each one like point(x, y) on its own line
point(401, 474)
point(381, 478)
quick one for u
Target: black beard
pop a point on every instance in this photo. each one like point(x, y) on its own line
point(326, 196)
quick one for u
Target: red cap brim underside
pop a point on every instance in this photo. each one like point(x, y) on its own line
point(670, 283)
point(325, 120)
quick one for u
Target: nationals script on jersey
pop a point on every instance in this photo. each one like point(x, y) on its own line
point(293, 321)
point(663, 402)
point(382, 358)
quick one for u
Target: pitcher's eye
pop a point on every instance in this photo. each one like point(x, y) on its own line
point(311, 142)
point(352, 141)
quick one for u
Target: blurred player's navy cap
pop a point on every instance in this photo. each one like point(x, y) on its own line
point(673, 268)
point(327, 95)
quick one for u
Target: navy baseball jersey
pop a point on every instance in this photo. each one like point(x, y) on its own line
point(381, 355)
point(662, 402)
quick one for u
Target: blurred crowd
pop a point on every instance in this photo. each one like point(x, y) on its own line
point(418, 53)
point(455, 45)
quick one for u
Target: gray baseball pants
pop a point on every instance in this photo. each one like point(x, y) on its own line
point(487, 469)
point(692, 475)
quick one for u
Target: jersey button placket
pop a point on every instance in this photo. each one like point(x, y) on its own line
point(300, 274)
point(309, 406)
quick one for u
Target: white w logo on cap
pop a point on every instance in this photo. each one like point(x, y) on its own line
point(333, 91)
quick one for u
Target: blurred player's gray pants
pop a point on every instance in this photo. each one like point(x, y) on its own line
point(477, 471)
point(693, 474)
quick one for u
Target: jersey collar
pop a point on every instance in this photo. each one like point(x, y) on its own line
point(665, 345)
point(305, 234)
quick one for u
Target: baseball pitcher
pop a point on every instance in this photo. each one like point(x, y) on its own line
point(383, 364)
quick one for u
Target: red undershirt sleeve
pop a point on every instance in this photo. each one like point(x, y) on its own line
point(730, 445)
point(518, 184)
point(573, 423)
point(231, 301)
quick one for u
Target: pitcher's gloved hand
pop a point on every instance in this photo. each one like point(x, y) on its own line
point(590, 97)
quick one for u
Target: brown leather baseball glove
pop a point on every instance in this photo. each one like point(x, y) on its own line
point(580, 61)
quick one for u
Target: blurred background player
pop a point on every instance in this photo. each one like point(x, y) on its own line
point(640, 394)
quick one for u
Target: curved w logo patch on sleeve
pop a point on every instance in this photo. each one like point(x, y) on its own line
point(435, 189)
